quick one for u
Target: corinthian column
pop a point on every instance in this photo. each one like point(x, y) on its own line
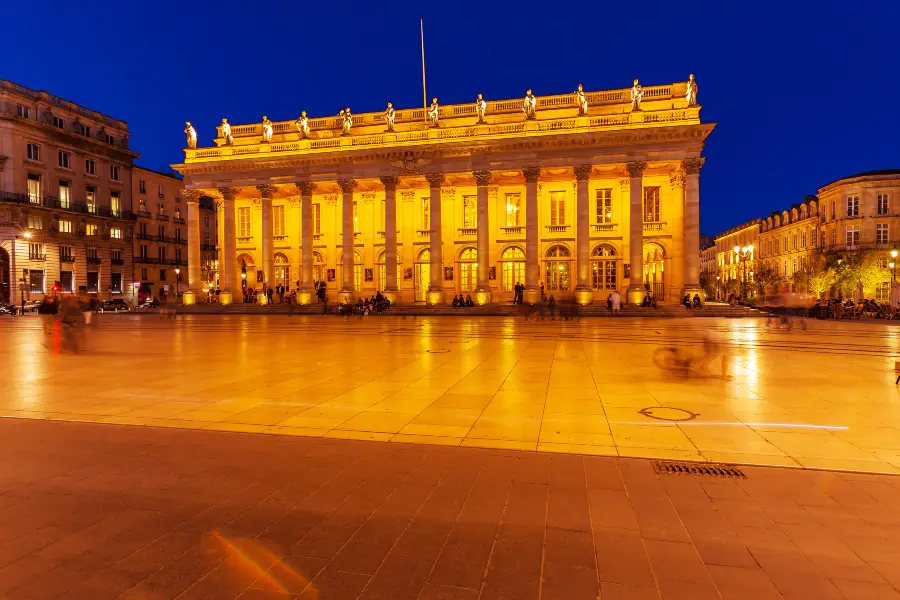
point(268, 236)
point(228, 247)
point(483, 290)
point(691, 168)
point(436, 289)
point(192, 198)
point(532, 290)
point(390, 237)
point(304, 295)
point(636, 289)
point(583, 292)
point(347, 240)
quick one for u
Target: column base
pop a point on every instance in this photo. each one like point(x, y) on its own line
point(434, 297)
point(635, 294)
point(304, 297)
point(584, 296)
point(482, 297)
point(226, 298)
point(531, 296)
point(393, 296)
point(188, 298)
point(345, 297)
point(262, 299)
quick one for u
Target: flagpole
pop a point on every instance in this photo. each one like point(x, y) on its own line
point(424, 95)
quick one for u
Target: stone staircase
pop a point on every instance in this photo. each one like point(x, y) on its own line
point(711, 309)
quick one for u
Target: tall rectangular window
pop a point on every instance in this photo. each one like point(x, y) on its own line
point(853, 235)
point(66, 254)
point(115, 283)
point(36, 251)
point(66, 282)
point(115, 204)
point(604, 206)
point(91, 229)
point(34, 188)
point(90, 193)
point(90, 167)
point(63, 159)
point(513, 210)
point(244, 222)
point(278, 219)
point(881, 233)
point(59, 123)
point(812, 237)
point(557, 208)
point(85, 130)
point(93, 282)
point(470, 212)
point(852, 206)
point(64, 200)
point(833, 210)
point(426, 213)
point(35, 222)
point(36, 281)
point(834, 236)
point(23, 111)
point(115, 233)
point(114, 172)
point(65, 226)
point(33, 152)
point(142, 186)
point(317, 218)
point(882, 204)
point(651, 205)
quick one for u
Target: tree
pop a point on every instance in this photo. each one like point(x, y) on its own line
point(820, 276)
point(708, 283)
point(853, 267)
point(764, 278)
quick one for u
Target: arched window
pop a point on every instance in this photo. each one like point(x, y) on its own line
point(282, 270)
point(557, 268)
point(318, 267)
point(604, 268)
point(512, 266)
point(382, 271)
point(357, 270)
point(422, 274)
point(468, 269)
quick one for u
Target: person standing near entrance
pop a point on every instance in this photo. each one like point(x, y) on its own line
point(542, 291)
point(616, 300)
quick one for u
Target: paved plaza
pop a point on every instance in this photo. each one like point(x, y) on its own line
point(822, 398)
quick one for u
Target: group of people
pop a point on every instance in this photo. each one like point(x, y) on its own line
point(690, 304)
point(71, 312)
point(279, 293)
point(379, 303)
point(460, 302)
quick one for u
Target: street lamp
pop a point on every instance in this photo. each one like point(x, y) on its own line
point(744, 254)
point(177, 279)
point(718, 278)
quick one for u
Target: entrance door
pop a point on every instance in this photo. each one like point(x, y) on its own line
point(423, 280)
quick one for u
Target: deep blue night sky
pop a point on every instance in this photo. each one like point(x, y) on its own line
point(803, 92)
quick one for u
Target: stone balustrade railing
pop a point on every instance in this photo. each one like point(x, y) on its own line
point(551, 126)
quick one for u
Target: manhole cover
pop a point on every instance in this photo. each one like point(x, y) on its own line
point(668, 413)
point(702, 469)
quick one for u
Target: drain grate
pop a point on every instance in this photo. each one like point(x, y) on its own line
point(704, 469)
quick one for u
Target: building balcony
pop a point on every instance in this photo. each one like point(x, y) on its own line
point(423, 233)
point(117, 261)
point(208, 247)
point(67, 205)
point(93, 260)
point(557, 229)
point(144, 214)
point(467, 231)
point(178, 220)
point(245, 241)
point(37, 257)
point(147, 237)
point(179, 240)
point(654, 226)
point(381, 234)
point(513, 230)
point(146, 260)
point(159, 217)
point(281, 240)
point(317, 237)
point(66, 258)
point(604, 227)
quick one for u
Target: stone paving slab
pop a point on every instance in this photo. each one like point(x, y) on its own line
point(105, 512)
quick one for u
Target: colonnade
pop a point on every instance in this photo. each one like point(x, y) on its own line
point(685, 180)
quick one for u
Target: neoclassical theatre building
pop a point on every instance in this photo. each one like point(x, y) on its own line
point(583, 193)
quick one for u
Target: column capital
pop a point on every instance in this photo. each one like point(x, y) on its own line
point(435, 180)
point(636, 169)
point(347, 185)
point(305, 188)
point(191, 196)
point(390, 182)
point(228, 193)
point(583, 172)
point(692, 166)
point(532, 174)
point(266, 191)
point(482, 176)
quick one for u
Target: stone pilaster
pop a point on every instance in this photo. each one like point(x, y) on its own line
point(390, 237)
point(192, 199)
point(583, 292)
point(483, 290)
point(348, 239)
point(532, 259)
point(691, 168)
point(304, 295)
point(228, 248)
point(636, 289)
point(436, 288)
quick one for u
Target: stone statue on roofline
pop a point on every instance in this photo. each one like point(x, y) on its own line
point(302, 124)
point(191, 134)
point(347, 121)
point(226, 132)
point(433, 112)
point(480, 108)
point(691, 95)
point(581, 100)
point(637, 93)
point(529, 107)
point(389, 115)
point(267, 129)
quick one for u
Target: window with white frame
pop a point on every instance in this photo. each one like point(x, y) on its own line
point(115, 233)
point(159, 188)
point(35, 222)
point(115, 204)
point(426, 213)
point(834, 236)
point(244, 222)
point(651, 205)
point(114, 172)
point(882, 204)
point(67, 282)
point(833, 210)
point(33, 152)
point(109, 139)
point(65, 226)
point(852, 206)
point(84, 130)
point(90, 167)
point(317, 218)
point(603, 206)
point(812, 237)
point(34, 188)
point(142, 186)
point(23, 111)
point(63, 159)
point(852, 235)
point(35, 251)
point(58, 122)
point(881, 233)
point(470, 212)
point(513, 209)
point(90, 193)
point(91, 229)
point(557, 208)
point(278, 219)
point(803, 239)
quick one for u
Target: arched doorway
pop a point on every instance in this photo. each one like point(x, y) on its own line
point(382, 272)
point(318, 267)
point(4, 276)
point(604, 268)
point(247, 270)
point(357, 270)
point(422, 274)
point(512, 268)
point(468, 269)
point(557, 268)
point(654, 270)
point(282, 270)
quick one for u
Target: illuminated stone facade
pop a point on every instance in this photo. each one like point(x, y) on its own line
point(736, 253)
point(581, 204)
